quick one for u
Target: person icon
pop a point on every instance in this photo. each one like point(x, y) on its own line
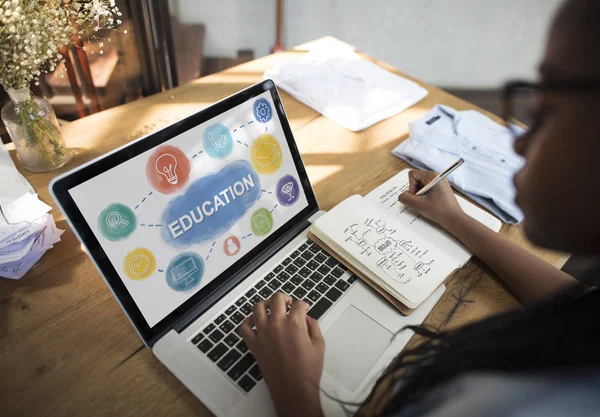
point(231, 246)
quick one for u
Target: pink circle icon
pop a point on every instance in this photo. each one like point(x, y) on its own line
point(231, 246)
point(168, 169)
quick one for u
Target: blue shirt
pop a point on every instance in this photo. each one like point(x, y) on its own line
point(444, 134)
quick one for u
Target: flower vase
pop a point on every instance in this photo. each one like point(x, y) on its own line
point(33, 128)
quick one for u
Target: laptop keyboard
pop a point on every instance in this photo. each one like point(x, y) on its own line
point(308, 274)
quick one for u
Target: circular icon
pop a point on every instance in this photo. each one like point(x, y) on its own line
point(185, 271)
point(265, 154)
point(168, 169)
point(231, 246)
point(116, 222)
point(139, 264)
point(287, 190)
point(217, 141)
point(263, 112)
point(261, 222)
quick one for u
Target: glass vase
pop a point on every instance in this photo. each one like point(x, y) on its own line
point(33, 128)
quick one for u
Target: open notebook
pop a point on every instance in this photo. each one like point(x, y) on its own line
point(401, 255)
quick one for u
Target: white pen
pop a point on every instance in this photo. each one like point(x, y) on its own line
point(440, 177)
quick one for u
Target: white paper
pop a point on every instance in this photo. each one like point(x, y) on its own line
point(18, 250)
point(14, 233)
point(352, 92)
point(26, 208)
point(13, 184)
point(386, 197)
point(45, 240)
point(16, 270)
point(402, 262)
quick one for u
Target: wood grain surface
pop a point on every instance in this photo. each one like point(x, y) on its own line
point(67, 349)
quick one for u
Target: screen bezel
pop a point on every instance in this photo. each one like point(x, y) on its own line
point(60, 189)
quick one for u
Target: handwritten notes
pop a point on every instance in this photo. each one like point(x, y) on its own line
point(400, 260)
point(385, 197)
point(384, 249)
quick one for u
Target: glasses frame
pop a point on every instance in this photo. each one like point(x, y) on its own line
point(516, 87)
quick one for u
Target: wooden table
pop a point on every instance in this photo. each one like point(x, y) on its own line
point(67, 349)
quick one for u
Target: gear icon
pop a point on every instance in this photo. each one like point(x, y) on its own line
point(262, 110)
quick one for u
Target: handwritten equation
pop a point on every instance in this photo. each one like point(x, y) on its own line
point(400, 260)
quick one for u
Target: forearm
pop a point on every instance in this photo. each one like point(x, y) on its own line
point(302, 402)
point(529, 277)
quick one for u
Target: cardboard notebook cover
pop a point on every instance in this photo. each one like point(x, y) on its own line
point(394, 301)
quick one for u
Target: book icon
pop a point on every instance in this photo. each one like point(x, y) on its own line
point(261, 222)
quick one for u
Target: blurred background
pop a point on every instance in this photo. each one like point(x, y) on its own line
point(467, 47)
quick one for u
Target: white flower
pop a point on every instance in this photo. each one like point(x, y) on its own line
point(34, 31)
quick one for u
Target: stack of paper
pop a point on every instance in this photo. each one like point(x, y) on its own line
point(352, 92)
point(27, 230)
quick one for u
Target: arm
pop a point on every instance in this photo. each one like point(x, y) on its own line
point(529, 277)
point(290, 351)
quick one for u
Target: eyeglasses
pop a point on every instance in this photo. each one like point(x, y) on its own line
point(521, 102)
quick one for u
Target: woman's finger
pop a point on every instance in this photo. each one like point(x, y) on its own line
point(260, 314)
point(314, 331)
point(277, 306)
point(245, 330)
point(298, 310)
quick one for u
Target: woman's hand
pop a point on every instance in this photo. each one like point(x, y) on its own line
point(290, 351)
point(439, 204)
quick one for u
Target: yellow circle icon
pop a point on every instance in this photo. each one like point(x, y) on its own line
point(265, 155)
point(139, 264)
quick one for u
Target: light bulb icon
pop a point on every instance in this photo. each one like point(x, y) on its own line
point(166, 166)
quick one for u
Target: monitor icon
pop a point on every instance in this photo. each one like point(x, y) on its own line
point(183, 272)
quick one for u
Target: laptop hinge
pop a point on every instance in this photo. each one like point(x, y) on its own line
point(236, 279)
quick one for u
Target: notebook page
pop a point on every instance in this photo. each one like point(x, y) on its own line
point(401, 259)
point(386, 197)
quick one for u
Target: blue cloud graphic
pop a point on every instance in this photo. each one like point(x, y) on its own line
point(211, 205)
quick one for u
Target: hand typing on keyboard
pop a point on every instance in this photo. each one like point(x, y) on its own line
point(290, 351)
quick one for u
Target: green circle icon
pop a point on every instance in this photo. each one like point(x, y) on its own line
point(261, 222)
point(116, 222)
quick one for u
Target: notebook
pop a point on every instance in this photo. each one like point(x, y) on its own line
point(400, 254)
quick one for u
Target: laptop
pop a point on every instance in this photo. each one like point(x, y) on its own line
point(192, 225)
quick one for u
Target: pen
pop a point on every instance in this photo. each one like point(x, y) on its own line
point(440, 177)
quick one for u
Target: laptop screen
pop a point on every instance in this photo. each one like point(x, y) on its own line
point(173, 218)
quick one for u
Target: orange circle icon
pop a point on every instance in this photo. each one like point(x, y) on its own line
point(168, 169)
point(231, 246)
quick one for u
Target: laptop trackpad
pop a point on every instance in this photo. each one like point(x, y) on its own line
point(353, 344)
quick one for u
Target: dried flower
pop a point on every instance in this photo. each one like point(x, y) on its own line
point(32, 32)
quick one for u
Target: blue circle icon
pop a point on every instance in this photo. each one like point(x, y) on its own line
point(217, 141)
point(185, 271)
point(263, 112)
